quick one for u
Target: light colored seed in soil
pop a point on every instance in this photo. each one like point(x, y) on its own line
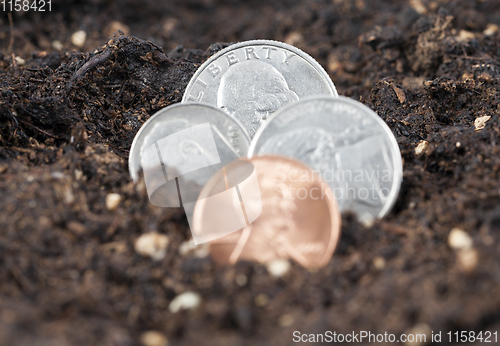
point(421, 147)
point(153, 338)
point(20, 61)
point(480, 122)
point(112, 201)
point(294, 38)
point(467, 259)
point(278, 267)
point(185, 301)
point(334, 64)
point(459, 239)
point(261, 300)
point(379, 263)
point(170, 24)
point(418, 6)
point(464, 36)
point(490, 29)
point(286, 320)
point(78, 174)
point(467, 76)
point(241, 280)
point(458, 144)
point(153, 245)
point(116, 26)
point(57, 45)
point(78, 38)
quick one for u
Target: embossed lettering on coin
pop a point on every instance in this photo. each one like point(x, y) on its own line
point(251, 80)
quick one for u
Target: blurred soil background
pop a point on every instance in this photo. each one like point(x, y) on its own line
point(74, 91)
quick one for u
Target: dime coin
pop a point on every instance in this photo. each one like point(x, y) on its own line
point(347, 143)
point(299, 216)
point(251, 80)
point(180, 147)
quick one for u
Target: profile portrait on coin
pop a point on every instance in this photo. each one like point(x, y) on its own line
point(252, 90)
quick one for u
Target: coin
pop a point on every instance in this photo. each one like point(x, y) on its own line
point(347, 143)
point(251, 80)
point(231, 202)
point(180, 147)
point(299, 216)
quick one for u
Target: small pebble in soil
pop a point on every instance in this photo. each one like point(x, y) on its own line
point(278, 267)
point(78, 38)
point(491, 29)
point(261, 300)
point(116, 26)
point(241, 280)
point(185, 301)
point(421, 147)
point(464, 36)
point(418, 6)
point(467, 259)
point(153, 245)
point(379, 263)
point(459, 239)
point(78, 174)
point(153, 338)
point(480, 122)
point(294, 38)
point(286, 320)
point(112, 201)
point(20, 61)
point(57, 45)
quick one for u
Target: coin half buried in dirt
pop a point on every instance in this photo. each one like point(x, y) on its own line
point(181, 147)
point(251, 80)
point(299, 219)
point(347, 143)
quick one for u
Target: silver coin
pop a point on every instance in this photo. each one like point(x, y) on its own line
point(185, 141)
point(252, 79)
point(347, 143)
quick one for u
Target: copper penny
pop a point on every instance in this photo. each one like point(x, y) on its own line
point(299, 220)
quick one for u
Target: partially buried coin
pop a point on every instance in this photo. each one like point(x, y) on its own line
point(299, 216)
point(251, 80)
point(180, 147)
point(347, 143)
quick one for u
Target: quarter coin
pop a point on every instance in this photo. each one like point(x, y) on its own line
point(299, 216)
point(251, 80)
point(180, 147)
point(347, 143)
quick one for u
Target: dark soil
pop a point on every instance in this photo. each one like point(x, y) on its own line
point(69, 274)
